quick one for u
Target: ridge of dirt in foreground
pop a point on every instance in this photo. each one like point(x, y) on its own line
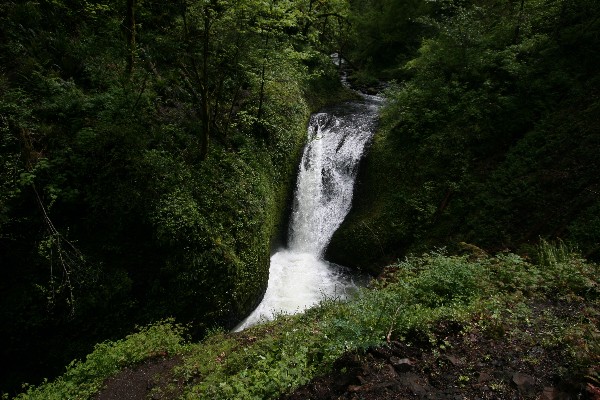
point(457, 363)
point(465, 366)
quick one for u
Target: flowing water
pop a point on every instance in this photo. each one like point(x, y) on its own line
point(299, 277)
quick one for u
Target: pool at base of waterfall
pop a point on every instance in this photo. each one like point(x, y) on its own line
point(298, 281)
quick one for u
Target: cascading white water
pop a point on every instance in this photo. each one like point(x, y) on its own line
point(298, 276)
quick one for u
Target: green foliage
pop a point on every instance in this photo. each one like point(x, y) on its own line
point(161, 165)
point(84, 378)
point(565, 271)
point(489, 138)
point(386, 33)
point(501, 295)
point(13, 176)
point(261, 372)
point(513, 274)
point(446, 281)
point(144, 174)
point(277, 357)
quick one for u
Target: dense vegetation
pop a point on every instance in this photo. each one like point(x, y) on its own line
point(147, 151)
point(490, 135)
point(483, 296)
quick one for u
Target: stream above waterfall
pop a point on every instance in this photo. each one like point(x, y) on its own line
point(299, 277)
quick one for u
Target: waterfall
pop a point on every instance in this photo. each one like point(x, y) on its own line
point(299, 277)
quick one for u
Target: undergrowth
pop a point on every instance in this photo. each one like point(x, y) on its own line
point(84, 378)
point(497, 295)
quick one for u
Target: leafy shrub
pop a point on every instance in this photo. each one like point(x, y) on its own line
point(419, 295)
point(565, 272)
point(84, 378)
point(446, 281)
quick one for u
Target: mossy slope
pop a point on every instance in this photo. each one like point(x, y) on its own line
point(479, 295)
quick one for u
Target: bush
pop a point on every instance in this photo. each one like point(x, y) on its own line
point(84, 378)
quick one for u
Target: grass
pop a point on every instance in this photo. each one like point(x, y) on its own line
point(498, 295)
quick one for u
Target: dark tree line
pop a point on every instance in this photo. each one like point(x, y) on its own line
point(147, 149)
point(489, 135)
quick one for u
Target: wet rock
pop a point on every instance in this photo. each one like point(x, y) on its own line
point(550, 393)
point(525, 383)
point(415, 383)
point(391, 371)
point(402, 364)
point(354, 388)
point(454, 360)
point(484, 377)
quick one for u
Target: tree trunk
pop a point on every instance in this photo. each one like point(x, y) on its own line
point(519, 22)
point(261, 96)
point(205, 106)
point(262, 91)
point(130, 30)
point(444, 204)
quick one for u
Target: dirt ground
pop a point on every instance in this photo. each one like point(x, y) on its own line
point(141, 382)
point(469, 367)
point(474, 368)
point(460, 365)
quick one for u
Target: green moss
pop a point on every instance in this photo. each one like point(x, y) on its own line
point(376, 231)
